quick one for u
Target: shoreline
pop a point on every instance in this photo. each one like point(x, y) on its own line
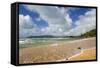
point(79, 40)
point(82, 51)
point(73, 41)
point(59, 43)
point(64, 59)
point(56, 52)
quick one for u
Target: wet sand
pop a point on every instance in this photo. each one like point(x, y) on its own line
point(58, 52)
point(87, 54)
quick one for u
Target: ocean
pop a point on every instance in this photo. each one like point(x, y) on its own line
point(29, 42)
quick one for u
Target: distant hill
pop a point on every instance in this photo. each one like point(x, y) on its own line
point(91, 33)
point(48, 36)
point(42, 36)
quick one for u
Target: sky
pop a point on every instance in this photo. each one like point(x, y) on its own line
point(36, 20)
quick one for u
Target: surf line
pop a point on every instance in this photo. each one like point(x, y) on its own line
point(79, 53)
point(75, 55)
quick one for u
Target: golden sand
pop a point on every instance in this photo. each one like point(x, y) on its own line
point(88, 54)
point(59, 52)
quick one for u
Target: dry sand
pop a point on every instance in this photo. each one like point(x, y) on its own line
point(58, 52)
point(87, 54)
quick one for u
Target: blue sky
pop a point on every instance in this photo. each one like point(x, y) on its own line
point(54, 20)
point(41, 23)
point(74, 14)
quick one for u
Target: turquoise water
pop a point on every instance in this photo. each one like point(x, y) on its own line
point(29, 42)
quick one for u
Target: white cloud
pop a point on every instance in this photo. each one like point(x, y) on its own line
point(85, 23)
point(26, 26)
point(25, 21)
point(58, 20)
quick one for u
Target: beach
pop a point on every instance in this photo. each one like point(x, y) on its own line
point(82, 49)
point(87, 54)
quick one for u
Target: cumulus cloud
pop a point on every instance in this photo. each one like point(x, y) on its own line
point(85, 23)
point(57, 19)
point(25, 21)
point(26, 26)
point(59, 22)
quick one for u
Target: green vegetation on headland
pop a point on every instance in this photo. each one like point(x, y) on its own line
point(91, 33)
